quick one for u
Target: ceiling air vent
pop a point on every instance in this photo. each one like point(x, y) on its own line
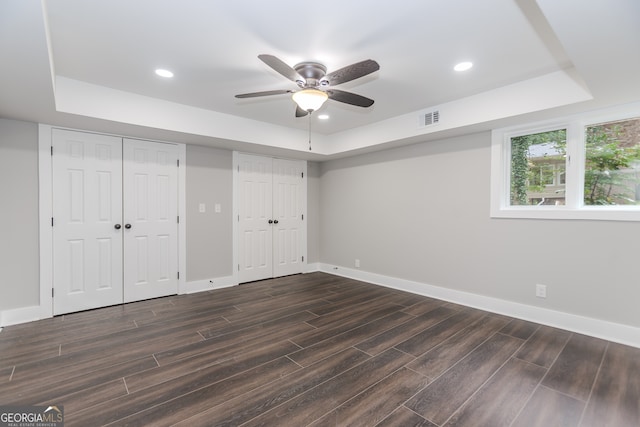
point(430, 118)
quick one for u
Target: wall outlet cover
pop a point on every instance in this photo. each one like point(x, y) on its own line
point(541, 291)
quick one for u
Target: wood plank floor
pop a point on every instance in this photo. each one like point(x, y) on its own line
point(319, 350)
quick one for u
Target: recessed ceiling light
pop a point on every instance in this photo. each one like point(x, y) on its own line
point(164, 73)
point(463, 66)
point(323, 116)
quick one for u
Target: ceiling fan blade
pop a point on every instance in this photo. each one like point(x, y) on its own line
point(281, 67)
point(349, 98)
point(300, 112)
point(352, 72)
point(265, 93)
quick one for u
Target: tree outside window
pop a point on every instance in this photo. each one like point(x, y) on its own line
point(612, 163)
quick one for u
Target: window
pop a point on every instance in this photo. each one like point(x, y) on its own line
point(583, 167)
point(536, 166)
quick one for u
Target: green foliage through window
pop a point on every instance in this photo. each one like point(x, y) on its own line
point(611, 168)
point(537, 163)
point(612, 157)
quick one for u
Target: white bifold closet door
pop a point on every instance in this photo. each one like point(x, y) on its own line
point(271, 194)
point(114, 220)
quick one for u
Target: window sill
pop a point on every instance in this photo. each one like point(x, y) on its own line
point(608, 213)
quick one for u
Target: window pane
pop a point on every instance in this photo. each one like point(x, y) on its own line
point(612, 167)
point(538, 164)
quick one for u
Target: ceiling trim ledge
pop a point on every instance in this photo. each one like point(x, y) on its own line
point(85, 99)
point(547, 92)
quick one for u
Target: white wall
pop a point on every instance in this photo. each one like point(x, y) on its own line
point(421, 213)
point(19, 262)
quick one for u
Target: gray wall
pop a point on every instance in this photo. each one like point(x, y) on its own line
point(19, 260)
point(209, 234)
point(313, 210)
point(421, 213)
point(209, 180)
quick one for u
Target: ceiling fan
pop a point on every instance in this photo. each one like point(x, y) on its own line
point(315, 85)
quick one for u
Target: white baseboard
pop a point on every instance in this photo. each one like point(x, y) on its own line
point(29, 314)
point(610, 331)
point(208, 284)
point(20, 315)
point(312, 267)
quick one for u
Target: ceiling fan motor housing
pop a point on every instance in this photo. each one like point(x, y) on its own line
point(313, 73)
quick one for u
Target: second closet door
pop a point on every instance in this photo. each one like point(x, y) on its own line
point(270, 217)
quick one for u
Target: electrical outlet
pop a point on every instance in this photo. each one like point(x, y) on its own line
point(357, 263)
point(541, 291)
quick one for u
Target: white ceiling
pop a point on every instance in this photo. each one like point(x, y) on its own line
point(91, 65)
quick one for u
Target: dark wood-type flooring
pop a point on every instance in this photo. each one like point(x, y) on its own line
point(318, 350)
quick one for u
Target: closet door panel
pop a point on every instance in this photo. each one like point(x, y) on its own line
point(288, 210)
point(87, 209)
point(151, 219)
point(255, 240)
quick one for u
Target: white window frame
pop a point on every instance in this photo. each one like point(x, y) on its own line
point(574, 207)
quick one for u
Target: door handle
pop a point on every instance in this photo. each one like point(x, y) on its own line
point(275, 221)
point(117, 226)
point(270, 221)
point(127, 226)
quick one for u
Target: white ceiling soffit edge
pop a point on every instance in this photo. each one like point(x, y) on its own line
point(549, 91)
point(553, 90)
point(85, 99)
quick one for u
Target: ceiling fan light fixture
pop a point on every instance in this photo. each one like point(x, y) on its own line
point(310, 99)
